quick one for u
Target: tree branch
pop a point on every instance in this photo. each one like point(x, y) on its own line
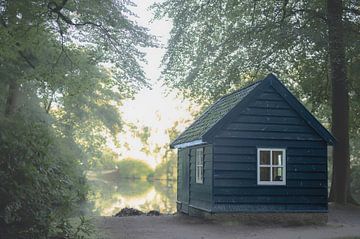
point(22, 54)
point(253, 15)
point(285, 3)
point(48, 106)
point(55, 8)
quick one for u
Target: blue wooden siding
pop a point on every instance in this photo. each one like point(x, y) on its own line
point(183, 179)
point(268, 121)
point(200, 194)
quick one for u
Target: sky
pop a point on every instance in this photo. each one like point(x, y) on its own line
point(152, 107)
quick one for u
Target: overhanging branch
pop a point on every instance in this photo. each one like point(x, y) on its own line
point(56, 8)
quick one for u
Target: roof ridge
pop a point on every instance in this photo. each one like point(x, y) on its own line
point(242, 88)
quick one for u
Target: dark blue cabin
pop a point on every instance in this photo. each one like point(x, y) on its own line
point(255, 150)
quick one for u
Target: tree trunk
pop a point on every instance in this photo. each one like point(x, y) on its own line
point(340, 102)
point(12, 98)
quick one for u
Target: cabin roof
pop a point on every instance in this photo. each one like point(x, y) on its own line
point(212, 118)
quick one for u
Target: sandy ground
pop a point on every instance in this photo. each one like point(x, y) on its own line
point(343, 223)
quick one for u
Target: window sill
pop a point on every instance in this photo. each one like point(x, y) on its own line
point(272, 183)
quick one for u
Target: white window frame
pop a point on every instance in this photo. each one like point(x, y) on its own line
point(283, 182)
point(199, 165)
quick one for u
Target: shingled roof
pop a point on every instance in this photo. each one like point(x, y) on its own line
point(212, 115)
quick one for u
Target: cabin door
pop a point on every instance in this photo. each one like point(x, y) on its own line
point(186, 181)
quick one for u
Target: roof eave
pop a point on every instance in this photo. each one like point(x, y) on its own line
point(187, 144)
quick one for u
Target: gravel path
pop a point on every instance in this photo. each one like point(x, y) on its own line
point(343, 223)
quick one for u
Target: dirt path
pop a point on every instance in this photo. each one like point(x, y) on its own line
point(344, 222)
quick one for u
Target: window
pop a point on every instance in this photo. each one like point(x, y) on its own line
point(199, 158)
point(271, 167)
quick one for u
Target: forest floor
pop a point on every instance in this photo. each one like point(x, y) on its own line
point(343, 223)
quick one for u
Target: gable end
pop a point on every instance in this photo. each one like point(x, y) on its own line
point(302, 111)
point(228, 106)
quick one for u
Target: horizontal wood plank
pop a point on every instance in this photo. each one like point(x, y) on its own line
point(268, 190)
point(268, 135)
point(274, 199)
point(268, 128)
point(269, 119)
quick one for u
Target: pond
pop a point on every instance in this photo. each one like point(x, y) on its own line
point(109, 194)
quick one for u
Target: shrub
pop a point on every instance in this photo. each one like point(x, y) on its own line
point(41, 182)
point(133, 168)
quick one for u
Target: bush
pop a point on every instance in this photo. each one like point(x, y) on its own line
point(41, 182)
point(132, 168)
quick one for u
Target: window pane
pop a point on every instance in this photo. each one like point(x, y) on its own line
point(199, 156)
point(265, 157)
point(197, 174)
point(264, 173)
point(277, 174)
point(277, 158)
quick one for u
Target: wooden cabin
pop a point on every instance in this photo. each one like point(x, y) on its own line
point(257, 149)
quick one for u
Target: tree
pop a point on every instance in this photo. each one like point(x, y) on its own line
point(80, 58)
point(217, 46)
point(340, 102)
point(57, 31)
point(65, 66)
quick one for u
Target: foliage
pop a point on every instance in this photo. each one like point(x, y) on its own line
point(166, 170)
point(217, 46)
point(54, 27)
point(41, 181)
point(65, 66)
point(76, 229)
point(132, 168)
point(355, 169)
point(107, 161)
point(81, 60)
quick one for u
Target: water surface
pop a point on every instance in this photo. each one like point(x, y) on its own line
point(110, 193)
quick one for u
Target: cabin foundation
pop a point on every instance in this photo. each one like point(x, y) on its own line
point(278, 218)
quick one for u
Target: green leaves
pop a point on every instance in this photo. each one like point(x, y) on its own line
point(70, 64)
point(40, 179)
point(217, 46)
point(79, 59)
point(54, 42)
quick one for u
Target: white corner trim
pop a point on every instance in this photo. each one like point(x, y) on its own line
point(189, 144)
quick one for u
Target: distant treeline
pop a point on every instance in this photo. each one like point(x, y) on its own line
point(138, 169)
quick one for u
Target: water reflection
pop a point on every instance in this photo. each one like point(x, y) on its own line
point(110, 194)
